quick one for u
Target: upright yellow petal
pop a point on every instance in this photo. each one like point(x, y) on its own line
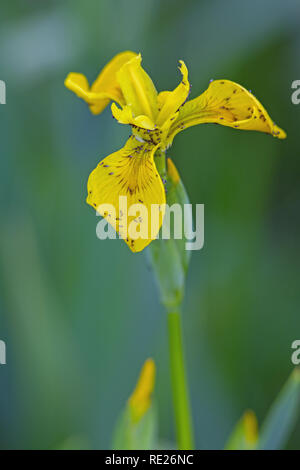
point(138, 89)
point(105, 88)
point(170, 101)
point(229, 104)
point(129, 172)
point(140, 400)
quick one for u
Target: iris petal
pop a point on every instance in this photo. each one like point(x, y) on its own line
point(138, 89)
point(105, 88)
point(170, 101)
point(229, 104)
point(129, 172)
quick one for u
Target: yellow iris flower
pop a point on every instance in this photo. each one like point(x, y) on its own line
point(155, 119)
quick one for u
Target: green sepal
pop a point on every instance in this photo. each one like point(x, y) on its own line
point(169, 257)
point(141, 435)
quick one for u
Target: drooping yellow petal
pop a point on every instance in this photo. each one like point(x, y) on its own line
point(140, 400)
point(138, 89)
point(105, 88)
point(78, 83)
point(170, 101)
point(126, 189)
point(107, 79)
point(229, 104)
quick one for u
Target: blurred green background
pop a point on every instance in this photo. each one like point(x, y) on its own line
point(80, 316)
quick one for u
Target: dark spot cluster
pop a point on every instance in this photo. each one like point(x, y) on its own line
point(150, 136)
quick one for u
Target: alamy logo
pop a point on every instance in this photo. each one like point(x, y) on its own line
point(138, 221)
point(2, 92)
point(2, 353)
point(296, 94)
point(296, 354)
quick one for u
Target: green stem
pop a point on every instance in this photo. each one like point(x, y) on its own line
point(174, 289)
point(179, 384)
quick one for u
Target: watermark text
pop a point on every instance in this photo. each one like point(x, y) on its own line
point(140, 221)
point(295, 358)
point(2, 353)
point(2, 92)
point(295, 97)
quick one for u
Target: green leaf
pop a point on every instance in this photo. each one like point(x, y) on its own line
point(282, 416)
point(130, 435)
